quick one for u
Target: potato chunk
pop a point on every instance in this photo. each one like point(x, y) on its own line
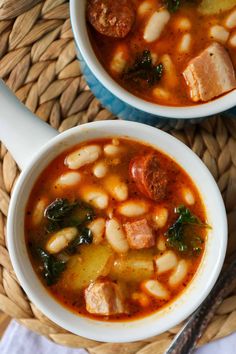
point(212, 7)
point(82, 269)
point(135, 267)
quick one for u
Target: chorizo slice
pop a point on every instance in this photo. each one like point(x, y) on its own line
point(151, 180)
point(111, 18)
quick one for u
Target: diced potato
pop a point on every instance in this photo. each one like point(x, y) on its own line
point(136, 266)
point(212, 7)
point(92, 262)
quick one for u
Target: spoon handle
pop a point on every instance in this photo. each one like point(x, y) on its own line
point(186, 340)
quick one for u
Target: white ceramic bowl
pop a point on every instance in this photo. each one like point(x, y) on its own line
point(113, 95)
point(199, 287)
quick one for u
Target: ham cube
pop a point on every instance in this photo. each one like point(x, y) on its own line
point(210, 74)
point(104, 298)
point(139, 234)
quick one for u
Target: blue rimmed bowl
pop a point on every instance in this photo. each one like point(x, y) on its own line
point(121, 102)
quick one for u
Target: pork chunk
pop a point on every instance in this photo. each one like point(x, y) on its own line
point(210, 74)
point(139, 234)
point(104, 298)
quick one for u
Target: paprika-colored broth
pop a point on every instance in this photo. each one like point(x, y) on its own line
point(108, 245)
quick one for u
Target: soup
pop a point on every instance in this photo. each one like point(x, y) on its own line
point(115, 229)
point(175, 53)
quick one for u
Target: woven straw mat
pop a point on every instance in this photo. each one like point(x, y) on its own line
point(38, 63)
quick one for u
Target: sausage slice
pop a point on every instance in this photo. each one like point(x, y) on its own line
point(150, 178)
point(110, 17)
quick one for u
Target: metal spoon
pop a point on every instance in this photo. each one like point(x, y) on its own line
point(186, 340)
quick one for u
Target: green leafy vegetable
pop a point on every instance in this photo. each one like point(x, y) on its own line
point(58, 209)
point(61, 213)
point(180, 235)
point(85, 237)
point(174, 5)
point(52, 267)
point(143, 69)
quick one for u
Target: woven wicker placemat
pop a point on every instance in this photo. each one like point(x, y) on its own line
point(38, 62)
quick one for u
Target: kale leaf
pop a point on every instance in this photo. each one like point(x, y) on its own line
point(85, 237)
point(144, 69)
point(174, 5)
point(52, 267)
point(61, 213)
point(178, 234)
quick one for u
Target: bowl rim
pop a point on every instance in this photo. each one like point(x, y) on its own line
point(98, 334)
point(78, 23)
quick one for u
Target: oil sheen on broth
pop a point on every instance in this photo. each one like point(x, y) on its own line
point(175, 53)
point(115, 229)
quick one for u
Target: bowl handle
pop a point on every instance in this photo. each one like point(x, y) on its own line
point(20, 130)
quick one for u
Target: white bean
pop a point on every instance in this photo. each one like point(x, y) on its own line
point(183, 24)
point(166, 262)
point(83, 156)
point(133, 208)
point(170, 74)
point(160, 216)
point(144, 7)
point(119, 61)
point(232, 40)
point(219, 33)
point(185, 43)
point(188, 196)
point(60, 239)
point(161, 93)
point(231, 20)
point(115, 141)
point(112, 150)
point(156, 25)
point(161, 244)
point(68, 179)
point(141, 298)
point(156, 289)
point(179, 274)
point(97, 227)
point(96, 196)
point(100, 169)
point(116, 236)
point(38, 211)
point(116, 188)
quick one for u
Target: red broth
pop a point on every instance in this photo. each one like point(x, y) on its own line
point(100, 263)
point(172, 89)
